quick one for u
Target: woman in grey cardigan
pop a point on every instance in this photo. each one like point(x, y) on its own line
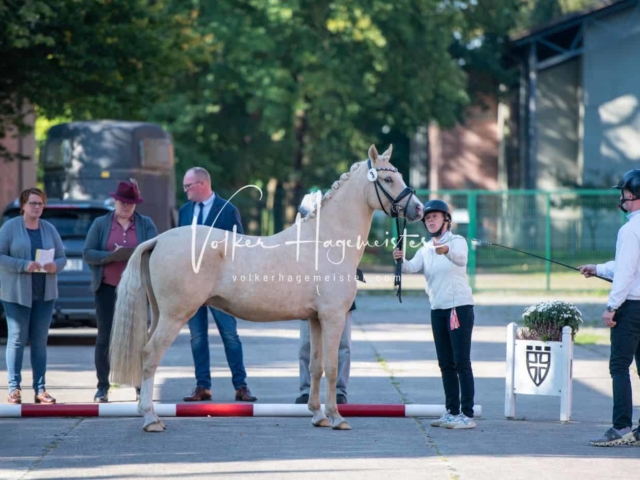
point(28, 290)
point(109, 244)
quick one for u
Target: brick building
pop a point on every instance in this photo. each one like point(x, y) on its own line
point(15, 176)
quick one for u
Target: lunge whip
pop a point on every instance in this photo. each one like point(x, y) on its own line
point(483, 242)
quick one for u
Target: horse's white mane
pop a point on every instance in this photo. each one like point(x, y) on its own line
point(336, 185)
point(329, 194)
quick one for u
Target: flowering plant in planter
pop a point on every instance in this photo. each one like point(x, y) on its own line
point(545, 321)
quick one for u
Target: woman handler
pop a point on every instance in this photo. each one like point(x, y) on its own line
point(444, 262)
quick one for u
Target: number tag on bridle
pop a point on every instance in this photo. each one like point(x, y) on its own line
point(372, 175)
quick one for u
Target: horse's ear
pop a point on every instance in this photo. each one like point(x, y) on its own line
point(373, 153)
point(387, 155)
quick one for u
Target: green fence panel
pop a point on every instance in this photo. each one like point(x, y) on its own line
point(570, 226)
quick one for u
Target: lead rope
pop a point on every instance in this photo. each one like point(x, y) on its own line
point(398, 277)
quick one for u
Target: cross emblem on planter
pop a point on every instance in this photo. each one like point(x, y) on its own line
point(538, 362)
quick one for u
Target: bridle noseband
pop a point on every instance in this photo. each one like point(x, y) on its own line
point(372, 176)
point(395, 202)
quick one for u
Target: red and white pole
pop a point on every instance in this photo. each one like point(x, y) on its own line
point(218, 410)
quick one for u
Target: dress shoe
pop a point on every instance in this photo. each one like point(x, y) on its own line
point(44, 398)
point(243, 394)
point(15, 397)
point(341, 399)
point(200, 394)
point(101, 396)
point(303, 399)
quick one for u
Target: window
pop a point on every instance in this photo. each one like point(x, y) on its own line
point(156, 153)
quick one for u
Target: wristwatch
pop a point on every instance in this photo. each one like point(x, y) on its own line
point(611, 309)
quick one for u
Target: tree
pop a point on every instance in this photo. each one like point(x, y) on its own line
point(538, 12)
point(94, 58)
point(297, 90)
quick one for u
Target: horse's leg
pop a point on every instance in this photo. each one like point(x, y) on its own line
point(315, 370)
point(162, 338)
point(331, 332)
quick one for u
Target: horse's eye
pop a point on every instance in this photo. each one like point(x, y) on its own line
point(388, 180)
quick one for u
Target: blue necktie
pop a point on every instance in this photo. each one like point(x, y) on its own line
point(201, 214)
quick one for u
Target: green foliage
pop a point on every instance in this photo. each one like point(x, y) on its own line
point(253, 90)
point(546, 320)
point(537, 12)
point(93, 58)
point(297, 91)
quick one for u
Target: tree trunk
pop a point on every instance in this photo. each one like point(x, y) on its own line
point(296, 189)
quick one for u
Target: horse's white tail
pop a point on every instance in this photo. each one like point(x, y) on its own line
point(129, 334)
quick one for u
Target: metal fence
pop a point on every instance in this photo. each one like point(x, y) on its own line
point(570, 226)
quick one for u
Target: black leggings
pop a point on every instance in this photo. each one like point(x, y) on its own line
point(454, 358)
point(105, 306)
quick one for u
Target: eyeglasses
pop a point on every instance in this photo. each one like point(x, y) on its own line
point(187, 186)
point(35, 204)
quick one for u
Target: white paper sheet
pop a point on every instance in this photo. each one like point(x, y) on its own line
point(43, 257)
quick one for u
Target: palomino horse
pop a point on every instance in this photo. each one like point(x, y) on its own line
point(305, 271)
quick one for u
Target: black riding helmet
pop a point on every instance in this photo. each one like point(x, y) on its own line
point(630, 181)
point(438, 206)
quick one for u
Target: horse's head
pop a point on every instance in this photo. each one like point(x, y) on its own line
point(387, 191)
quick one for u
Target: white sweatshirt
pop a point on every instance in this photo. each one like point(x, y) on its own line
point(446, 275)
point(625, 269)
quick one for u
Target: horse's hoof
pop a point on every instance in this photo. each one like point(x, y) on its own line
point(323, 422)
point(154, 427)
point(343, 425)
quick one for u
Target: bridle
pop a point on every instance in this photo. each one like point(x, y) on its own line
point(395, 202)
point(372, 176)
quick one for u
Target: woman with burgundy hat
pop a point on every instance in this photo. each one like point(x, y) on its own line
point(109, 244)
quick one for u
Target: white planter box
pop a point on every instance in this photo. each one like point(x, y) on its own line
point(539, 368)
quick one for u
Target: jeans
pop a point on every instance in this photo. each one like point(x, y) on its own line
point(344, 358)
point(28, 324)
point(105, 305)
point(227, 327)
point(625, 337)
point(453, 348)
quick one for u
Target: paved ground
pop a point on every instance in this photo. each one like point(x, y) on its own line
point(393, 361)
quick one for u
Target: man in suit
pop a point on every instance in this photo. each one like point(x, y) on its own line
point(206, 207)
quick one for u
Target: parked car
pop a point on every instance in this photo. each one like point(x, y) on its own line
point(72, 218)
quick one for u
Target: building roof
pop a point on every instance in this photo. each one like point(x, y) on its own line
point(606, 7)
point(104, 124)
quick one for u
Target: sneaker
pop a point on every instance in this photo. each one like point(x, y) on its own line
point(101, 396)
point(636, 437)
point(614, 438)
point(341, 399)
point(443, 420)
point(461, 422)
point(303, 399)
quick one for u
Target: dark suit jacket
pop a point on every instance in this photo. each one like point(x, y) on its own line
point(229, 215)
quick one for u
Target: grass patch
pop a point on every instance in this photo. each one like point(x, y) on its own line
point(591, 338)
